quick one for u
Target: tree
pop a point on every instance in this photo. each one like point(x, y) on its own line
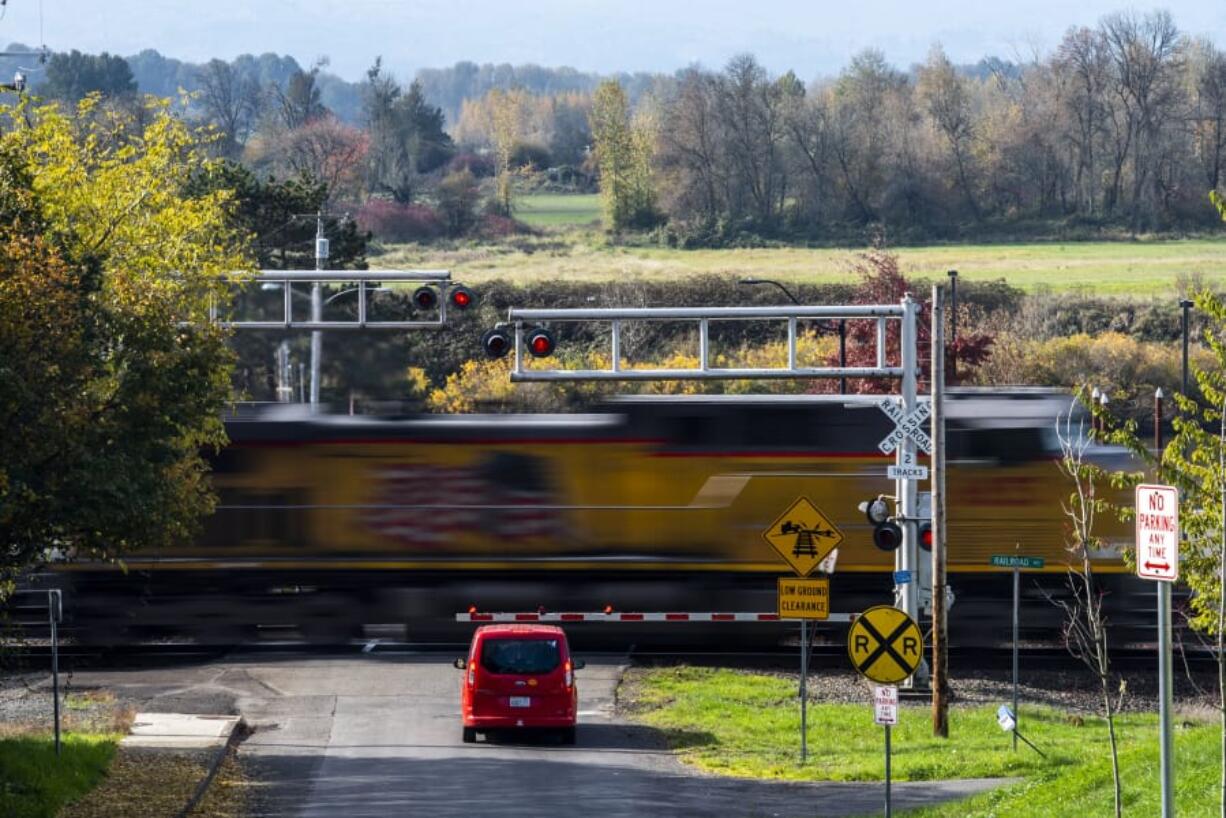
point(72, 76)
point(112, 375)
point(329, 151)
point(623, 154)
point(299, 102)
point(407, 138)
point(458, 195)
point(505, 126)
point(232, 102)
point(945, 95)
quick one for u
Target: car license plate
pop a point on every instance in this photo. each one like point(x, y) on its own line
point(521, 701)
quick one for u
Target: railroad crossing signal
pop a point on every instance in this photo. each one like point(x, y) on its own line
point(885, 645)
point(905, 426)
point(803, 536)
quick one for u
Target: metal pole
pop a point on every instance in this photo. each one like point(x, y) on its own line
point(940, 617)
point(1165, 683)
point(953, 326)
point(888, 810)
point(53, 616)
point(317, 337)
point(1185, 305)
point(1158, 422)
point(1017, 602)
point(908, 555)
point(804, 683)
point(843, 353)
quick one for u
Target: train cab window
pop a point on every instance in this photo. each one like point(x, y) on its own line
point(997, 445)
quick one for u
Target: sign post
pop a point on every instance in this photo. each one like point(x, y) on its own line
point(885, 713)
point(1157, 509)
point(1017, 563)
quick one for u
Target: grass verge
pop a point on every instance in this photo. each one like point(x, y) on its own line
point(746, 724)
point(35, 784)
point(558, 209)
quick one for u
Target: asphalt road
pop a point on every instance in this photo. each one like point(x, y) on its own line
point(379, 735)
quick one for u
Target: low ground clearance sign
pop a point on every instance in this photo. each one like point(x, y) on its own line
point(1158, 533)
point(804, 598)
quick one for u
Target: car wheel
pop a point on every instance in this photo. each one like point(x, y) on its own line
point(568, 735)
point(470, 735)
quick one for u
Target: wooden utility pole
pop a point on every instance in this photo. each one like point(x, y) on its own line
point(940, 625)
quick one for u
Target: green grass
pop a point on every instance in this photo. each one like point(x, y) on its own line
point(1157, 268)
point(558, 209)
point(745, 724)
point(35, 784)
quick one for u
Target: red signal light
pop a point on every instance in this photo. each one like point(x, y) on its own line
point(472, 609)
point(608, 609)
point(496, 343)
point(425, 298)
point(887, 536)
point(540, 342)
point(462, 298)
point(925, 536)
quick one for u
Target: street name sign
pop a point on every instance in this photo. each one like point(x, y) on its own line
point(803, 536)
point(1015, 561)
point(885, 704)
point(1158, 533)
point(885, 645)
point(804, 598)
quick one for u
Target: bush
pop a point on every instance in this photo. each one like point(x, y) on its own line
point(391, 221)
point(458, 196)
point(530, 155)
point(479, 166)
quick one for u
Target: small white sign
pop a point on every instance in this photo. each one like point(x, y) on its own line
point(1006, 719)
point(885, 704)
point(907, 472)
point(1158, 533)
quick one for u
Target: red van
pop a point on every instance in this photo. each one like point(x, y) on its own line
point(519, 676)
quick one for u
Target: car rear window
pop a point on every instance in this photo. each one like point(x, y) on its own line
point(520, 655)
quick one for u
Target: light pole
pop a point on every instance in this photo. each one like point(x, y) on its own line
point(953, 326)
point(317, 337)
point(795, 300)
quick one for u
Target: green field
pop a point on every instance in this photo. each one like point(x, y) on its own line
point(558, 209)
point(1157, 268)
point(746, 724)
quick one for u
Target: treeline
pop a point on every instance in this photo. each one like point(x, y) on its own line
point(1123, 124)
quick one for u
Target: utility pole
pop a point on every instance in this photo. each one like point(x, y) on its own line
point(317, 337)
point(940, 621)
point(953, 326)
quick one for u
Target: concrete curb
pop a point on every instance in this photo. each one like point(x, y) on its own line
point(239, 732)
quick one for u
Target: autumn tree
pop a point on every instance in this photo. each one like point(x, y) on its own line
point(505, 126)
point(232, 102)
point(623, 154)
point(407, 138)
point(113, 376)
point(948, 103)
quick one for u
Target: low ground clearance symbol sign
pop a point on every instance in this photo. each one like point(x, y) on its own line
point(1158, 533)
point(885, 645)
point(803, 536)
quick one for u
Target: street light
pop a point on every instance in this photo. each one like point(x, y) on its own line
point(795, 300)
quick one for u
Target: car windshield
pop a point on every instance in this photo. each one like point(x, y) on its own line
point(520, 655)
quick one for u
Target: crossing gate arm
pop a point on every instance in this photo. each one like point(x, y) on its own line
point(600, 616)
point(703, 316)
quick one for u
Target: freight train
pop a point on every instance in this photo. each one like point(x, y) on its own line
point(326, 523)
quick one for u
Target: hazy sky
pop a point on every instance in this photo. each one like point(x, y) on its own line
point(813, 38)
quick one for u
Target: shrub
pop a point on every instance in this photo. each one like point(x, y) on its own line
point(530, 155)
point(391, 221)
point(458, 196)
point(479, 166)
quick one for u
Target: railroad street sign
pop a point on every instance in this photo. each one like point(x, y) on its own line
point(1158, 533)
point(803, 536)
point(885, 704)
point(804, 598)
point(905, 425)
point(1013, 561)
point(885, 645)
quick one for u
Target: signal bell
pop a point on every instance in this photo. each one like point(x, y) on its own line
point(496, 342)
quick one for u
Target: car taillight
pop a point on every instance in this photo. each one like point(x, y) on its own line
point(472, 672)
point(569, 674)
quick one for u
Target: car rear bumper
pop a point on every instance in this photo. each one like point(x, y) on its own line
point(499, 722)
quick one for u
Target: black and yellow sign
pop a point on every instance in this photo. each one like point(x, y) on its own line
point(803, 536)
point(885, 645)
point(804, 598)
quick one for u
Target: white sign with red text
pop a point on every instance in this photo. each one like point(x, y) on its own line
point(885, 704)
point(1158, 533)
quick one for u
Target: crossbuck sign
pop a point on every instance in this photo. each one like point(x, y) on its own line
point(908, 425)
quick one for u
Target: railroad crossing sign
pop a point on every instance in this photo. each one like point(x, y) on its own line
point(804, 598)
point(885, 645)
point(803, 536)
point(1158, 533)
point(908, 425)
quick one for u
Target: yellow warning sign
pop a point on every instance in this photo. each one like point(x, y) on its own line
point(885, 645)
point(803, 536)
point(804, 598)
